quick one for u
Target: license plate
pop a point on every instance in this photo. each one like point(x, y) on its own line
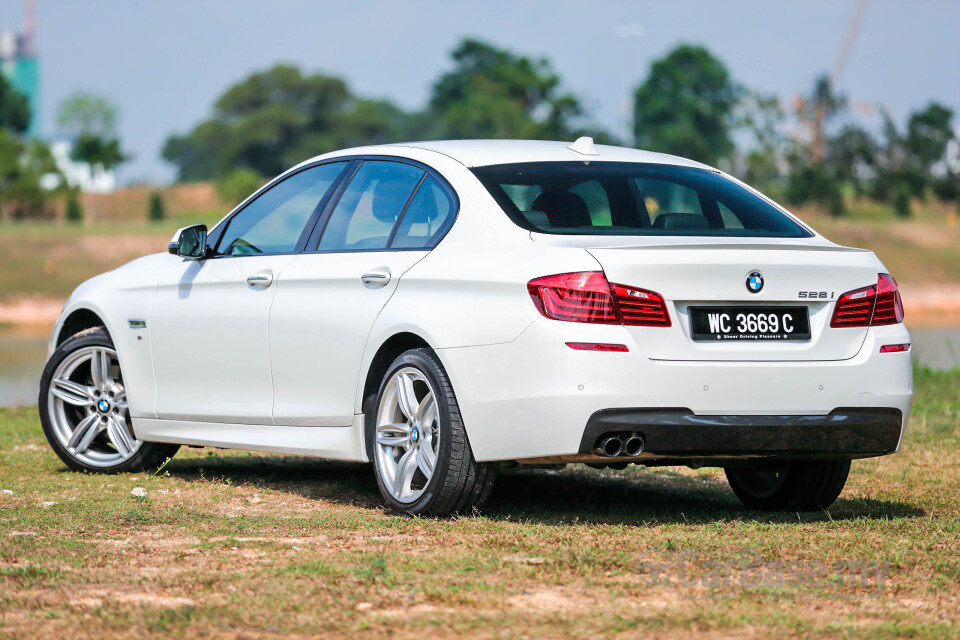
point(713, 324)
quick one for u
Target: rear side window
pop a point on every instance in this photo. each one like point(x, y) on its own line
point(624, 198)
point(426, 219)
point(274, 222)
point(369, 207)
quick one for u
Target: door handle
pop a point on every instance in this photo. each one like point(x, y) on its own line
point(263, 280)
point(375, 278)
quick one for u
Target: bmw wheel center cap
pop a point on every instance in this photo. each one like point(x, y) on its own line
point(415, 435)
point(103, 405)
point(754, 282)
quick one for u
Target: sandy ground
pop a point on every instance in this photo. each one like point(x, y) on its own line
point(925, 306)
point(38, 311)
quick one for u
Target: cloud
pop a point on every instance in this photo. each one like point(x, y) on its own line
point(631, 30)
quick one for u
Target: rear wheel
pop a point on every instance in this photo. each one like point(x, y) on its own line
point(418, 444)
point(84, 411)
point(796, 485)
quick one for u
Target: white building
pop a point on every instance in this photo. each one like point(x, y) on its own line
point(80, 174)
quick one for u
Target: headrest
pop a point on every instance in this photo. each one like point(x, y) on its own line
point(563, 209)
point(686, 221)
point(388, 197)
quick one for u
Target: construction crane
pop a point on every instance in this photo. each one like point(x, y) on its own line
point(812, 112)
point(853, 30)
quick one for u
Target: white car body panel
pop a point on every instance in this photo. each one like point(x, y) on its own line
point(317, 340)
point(283, 368)
point(338, 443)
point(210, 340)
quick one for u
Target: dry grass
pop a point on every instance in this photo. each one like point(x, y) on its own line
point(236, 545)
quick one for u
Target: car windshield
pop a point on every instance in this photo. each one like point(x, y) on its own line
point(631, 199)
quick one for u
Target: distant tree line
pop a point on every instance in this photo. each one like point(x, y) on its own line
point(813, 151)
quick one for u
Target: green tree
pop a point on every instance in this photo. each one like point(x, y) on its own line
point(234, 187)
point(23, 166)
point(156, 211)
point(91, 120)
point(493, 93)
point(14, 108)
point(762, 118)
point(929, 132)
point(685, 106)
point(276, 118)
point(852, 154)
point(905, 164)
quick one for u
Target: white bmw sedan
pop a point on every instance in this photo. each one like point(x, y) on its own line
point(441, 308)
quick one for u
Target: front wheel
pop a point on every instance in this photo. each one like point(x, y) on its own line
point(796, 485)
point(84, 411)
point(418, 444)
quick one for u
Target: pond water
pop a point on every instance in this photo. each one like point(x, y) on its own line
point(22, 356)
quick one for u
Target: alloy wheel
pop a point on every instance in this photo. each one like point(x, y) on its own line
point(88, 410)
point(407, 435)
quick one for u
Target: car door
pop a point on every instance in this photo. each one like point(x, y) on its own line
point(210, 319)
point(388, 217)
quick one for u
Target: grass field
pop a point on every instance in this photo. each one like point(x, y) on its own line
point(231, 545)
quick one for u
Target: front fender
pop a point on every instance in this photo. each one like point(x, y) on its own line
point(117, 297)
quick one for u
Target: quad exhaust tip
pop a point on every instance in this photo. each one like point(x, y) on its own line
point(615, 446)
point(633, 446)
point(611, 447)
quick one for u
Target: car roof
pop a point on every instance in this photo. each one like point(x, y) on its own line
point(479, 153)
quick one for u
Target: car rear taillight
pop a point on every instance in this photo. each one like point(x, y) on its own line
point(869, 306)
point(574, 297)
point(641, 308)
point(588, 297)
point(889, 309)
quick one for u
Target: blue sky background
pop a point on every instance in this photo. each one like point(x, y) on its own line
point(164, 63)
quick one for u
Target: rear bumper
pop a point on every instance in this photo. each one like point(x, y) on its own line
point(843, 433)
point(533, 397)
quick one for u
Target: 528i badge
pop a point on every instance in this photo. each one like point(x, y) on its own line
point(749, 323)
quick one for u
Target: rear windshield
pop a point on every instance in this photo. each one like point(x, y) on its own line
point(631, 199)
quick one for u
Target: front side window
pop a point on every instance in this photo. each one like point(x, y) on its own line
point(275, 221)
point(630, 199)
point(369, 207)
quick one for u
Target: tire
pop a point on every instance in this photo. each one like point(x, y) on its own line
point(81, 374)
point(434, 436)
point(797, 485)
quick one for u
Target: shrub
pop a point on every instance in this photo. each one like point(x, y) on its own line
point(901, 200)
point(74, 211)
point(156, 211)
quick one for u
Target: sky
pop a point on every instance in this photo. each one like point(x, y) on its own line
point(165, 63)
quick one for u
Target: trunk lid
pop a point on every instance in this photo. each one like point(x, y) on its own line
point(706, 272)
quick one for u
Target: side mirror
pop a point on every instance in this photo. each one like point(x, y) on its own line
point(189, 242)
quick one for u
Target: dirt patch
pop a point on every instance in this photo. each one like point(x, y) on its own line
point(30, 310)
point(551, 600)
point(931, 306)
point(96, 599)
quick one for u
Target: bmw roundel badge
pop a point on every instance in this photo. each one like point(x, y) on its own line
point(754, 282)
